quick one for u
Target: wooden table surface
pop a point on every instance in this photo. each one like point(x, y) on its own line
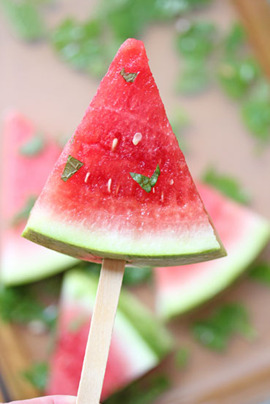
point(36, 82)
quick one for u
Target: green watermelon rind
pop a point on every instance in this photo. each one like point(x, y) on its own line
point(152, 342)
point(204, 290)
point(160, 249)
point(36, 270)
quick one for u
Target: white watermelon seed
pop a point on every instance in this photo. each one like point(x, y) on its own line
point(171, 182)
point(109, 185)
point(137, 138)
point(162, 197)
point(114, 143)
point(86, 177)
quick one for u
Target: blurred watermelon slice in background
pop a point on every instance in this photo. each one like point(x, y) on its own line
point(27, 157)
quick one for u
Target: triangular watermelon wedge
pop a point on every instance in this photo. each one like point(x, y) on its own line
point(93, 206)
point(138, 344)
point(26, 160)
point(244, 233)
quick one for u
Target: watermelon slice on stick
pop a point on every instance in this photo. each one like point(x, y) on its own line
point(121, 190)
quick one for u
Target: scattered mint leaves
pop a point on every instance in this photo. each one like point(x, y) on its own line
point(146, 183)
point(128, 77)
point(37, 375)
point(33, 146)
point(261, 272)
point(23, 214)
point(227, 185)
point(216, 331)
point(71, 167)
point(25, 18)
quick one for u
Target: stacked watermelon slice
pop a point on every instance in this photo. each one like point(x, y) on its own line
point(27, 158)
point(138, 344)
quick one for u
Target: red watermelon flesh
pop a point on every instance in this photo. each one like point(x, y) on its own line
point(22, 177)
point(244, 234)
point(131, 353)
point(101, 211)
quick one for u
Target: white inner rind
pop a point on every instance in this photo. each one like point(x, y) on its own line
point(193, 239)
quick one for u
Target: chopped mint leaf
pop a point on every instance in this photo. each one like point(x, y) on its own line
point(235, 40)
point(23, 214)
point(195, 77)
point(198, 41)
point(71, 167)
point(135, 276)
point(256, 116)
point(25, 18)
point(146, 183)
point(261, 272)
point(81, 45)
point(144, 391)
point(182, 358)
point(129, 77)
point(227, 185)
point(33, 146)
point(20, 305)
point(37, 375)
point(237, 76)
point(216, 331)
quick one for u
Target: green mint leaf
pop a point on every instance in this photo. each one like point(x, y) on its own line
point(81, 45)
point(216, 331)
point(135, 276)
point(129, 77)
point(24, 213)
point(261, 272)
point(198, 40)
point(226, 185)
point(20, 305)
point(33, 146)
point(71, 167)
point(195, 77)
point(146, 183)
point(144, 391)
point(235, 40)
point(182, 356)
point(25, 18)
point(237, 76)
point(37, 375)
point(256, 116)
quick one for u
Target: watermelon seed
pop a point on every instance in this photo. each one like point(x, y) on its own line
point(86, 177)
point(162, 197)
point(117, 189)
point(137, 138)
point(171, 182)
point(109, 185)
point(114, 143)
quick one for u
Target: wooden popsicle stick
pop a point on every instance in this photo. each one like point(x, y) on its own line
point(97, 349)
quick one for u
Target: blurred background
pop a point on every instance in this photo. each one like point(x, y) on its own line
point(211, 62)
